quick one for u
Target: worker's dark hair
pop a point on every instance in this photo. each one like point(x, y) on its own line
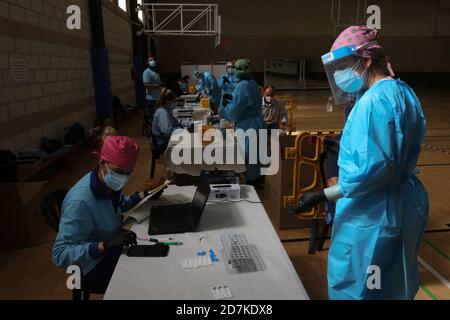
point(166, 96)
point(186, 77)
point(269, 86)
point(379, 65)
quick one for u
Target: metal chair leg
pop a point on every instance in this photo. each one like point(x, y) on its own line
point(326, 228)
point(76, 295)
point(152, 172)
point(86, 295)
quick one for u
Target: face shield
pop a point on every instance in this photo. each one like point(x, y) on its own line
point(345, 73)
point(243, 69)
point(230, 68)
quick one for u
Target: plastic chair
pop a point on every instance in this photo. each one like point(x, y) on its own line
point(50, 211)
point(310, 162)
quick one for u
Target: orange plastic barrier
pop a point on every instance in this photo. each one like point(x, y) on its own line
point(307, 173)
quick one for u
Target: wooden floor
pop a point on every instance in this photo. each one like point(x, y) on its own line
point(29, 274)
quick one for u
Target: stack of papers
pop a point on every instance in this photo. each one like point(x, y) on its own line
point(141, 211)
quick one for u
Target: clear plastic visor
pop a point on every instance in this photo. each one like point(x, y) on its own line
point(347, 62)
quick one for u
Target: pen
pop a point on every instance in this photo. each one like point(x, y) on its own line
point(172, 243)
point(155, 240)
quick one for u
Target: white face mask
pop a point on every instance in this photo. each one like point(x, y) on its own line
point(268, 100)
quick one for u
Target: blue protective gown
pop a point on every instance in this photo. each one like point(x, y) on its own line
point(381, 218)
point(209, 84)
point(227, 88)
point(245, 110)
point(89, 216)
point(164, 124)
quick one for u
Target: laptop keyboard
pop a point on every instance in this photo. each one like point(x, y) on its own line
point(178, 219)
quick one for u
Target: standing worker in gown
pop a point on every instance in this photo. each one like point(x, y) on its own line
point(153, 86)
point(227, 81)
point(208, 87)
point(244, 108)
point(383, 207)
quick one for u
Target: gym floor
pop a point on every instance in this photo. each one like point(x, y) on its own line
point(28, 273)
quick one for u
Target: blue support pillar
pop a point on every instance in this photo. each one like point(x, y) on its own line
point(138, 81)
point(102, 82)
point(100, 62)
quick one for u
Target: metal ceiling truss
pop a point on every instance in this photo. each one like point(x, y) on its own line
point(339, 23)
point(172, 19)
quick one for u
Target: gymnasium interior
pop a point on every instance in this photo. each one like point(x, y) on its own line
point(66, 65)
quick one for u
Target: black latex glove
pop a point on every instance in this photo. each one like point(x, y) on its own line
point(156, 195)
point(226, 80)
point(125, 238)
point(308, 201)
point(226, 99)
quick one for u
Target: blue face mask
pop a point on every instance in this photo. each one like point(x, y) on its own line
point(349, 80)
point(152, 64)
point(115, 181)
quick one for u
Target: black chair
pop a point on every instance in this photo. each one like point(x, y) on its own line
point(146, 124)
point(50, 211)
point(156, 153)
point(118, 108)
point(50, 208)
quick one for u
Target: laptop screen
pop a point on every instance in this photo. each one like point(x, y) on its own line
point(201, 197)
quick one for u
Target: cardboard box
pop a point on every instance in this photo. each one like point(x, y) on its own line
point(19, 213)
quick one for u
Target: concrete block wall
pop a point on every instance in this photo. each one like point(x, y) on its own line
point(119, 43)
point(58, 90)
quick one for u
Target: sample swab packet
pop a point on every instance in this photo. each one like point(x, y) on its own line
point(195, 263)
point(221, 293)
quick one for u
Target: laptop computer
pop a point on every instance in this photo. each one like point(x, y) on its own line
point(180, 218)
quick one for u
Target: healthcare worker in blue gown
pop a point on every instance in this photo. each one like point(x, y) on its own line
point(244, 107)
point(227, 81)
point(209, 87)
point(383, 207)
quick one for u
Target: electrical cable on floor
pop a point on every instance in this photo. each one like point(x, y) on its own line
point(226, 200)
point(300, 240)
point(329, 238)
point(433, 165)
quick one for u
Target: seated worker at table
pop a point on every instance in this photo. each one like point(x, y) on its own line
point(244, 108)
point(164, 123)
point(90, 232)
point(273, 111)
point(183, 84)
point(208, 87)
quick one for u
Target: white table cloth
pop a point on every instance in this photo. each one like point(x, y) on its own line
point(165, 278)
